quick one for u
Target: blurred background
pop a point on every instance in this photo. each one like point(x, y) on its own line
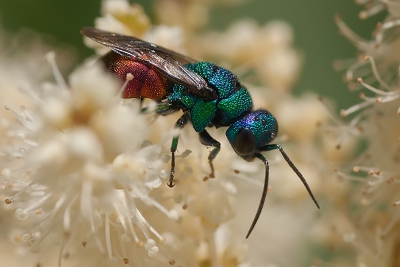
point(316, 35)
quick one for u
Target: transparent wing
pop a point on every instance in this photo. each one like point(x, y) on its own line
point(167, 62)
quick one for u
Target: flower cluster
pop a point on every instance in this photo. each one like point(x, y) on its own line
point(81, 167)
point(368, 227)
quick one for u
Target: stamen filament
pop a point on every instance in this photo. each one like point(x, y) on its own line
point(376, 73)
point(50, 58)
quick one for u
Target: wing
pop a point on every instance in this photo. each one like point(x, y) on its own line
point(167, 62)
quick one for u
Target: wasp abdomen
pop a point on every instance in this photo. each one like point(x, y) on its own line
point(146, 82)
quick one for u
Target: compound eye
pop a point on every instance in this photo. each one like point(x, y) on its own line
point(244, 142)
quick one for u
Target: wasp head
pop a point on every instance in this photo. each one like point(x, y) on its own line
point(252, 132)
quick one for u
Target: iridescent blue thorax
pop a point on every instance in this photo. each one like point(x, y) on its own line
point(232, 103)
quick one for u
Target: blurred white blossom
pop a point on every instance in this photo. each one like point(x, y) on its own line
point(267, 49)
point(364, 215)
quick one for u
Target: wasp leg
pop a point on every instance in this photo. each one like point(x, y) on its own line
point(161, 109)
point(207, 140)
point(178, 125)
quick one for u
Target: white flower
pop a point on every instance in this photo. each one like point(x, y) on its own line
point(370, 223)
point(84, 170)
point(267, 49)
point(168, 37)
point(120, 16)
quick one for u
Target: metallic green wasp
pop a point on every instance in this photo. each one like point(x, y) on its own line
point(208, 95)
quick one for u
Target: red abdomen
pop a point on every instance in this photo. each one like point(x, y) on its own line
point(146, 82)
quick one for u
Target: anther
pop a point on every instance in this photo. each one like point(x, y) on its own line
point(363, 15)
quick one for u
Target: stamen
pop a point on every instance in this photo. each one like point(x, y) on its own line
point(67, 217)
point(127, 206)
point(20, 192)
point(376, 73)
point(121, 219)
point(332, 115)
point(18, 116)
point(128, 213)
point(27, 113)
point(171, 214)
point(373, 10)
point(86, 208)
point(251, 180)
point(151, 247)
point(368, 169)
point(50, 58)
point(385, 26)
point(170, 261)
point(389, 98)
point(30, 142)
point(129, 77)
point(341, 64)
point(108, 237)
point(372, 186)
point(70, 235)
point(392, 222)
point(33, 206)
point(26, 89)
point(125, 258)
point(346, 112)
point(26, 123)
point(140, 224)
point(348, 177)
point(60, 253)
point(359, 42)
point(352, 125)
point(162, 239)
point(350, 71)
point(373, 89)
